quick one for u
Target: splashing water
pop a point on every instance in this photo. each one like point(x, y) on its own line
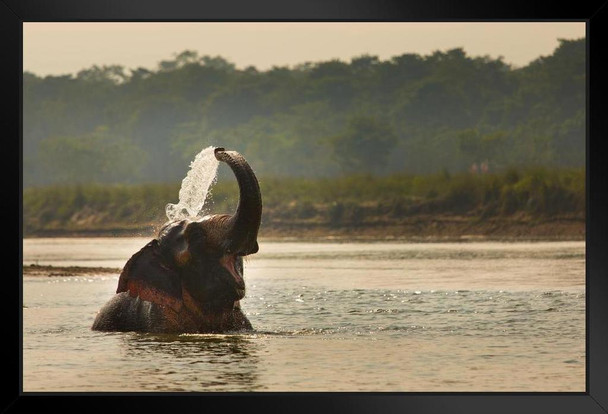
point(195, 186)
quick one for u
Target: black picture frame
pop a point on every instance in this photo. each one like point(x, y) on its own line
point(13, 13)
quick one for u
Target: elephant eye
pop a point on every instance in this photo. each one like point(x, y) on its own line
point(195, 235)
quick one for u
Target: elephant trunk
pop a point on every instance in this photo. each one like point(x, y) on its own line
point(243, 226)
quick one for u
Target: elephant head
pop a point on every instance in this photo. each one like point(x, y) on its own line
point(190, 278)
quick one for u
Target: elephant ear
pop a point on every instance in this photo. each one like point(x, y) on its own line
point(147, 275)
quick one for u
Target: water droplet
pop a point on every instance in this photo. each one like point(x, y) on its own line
point(195, 186)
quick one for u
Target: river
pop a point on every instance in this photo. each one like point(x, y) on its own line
point(399, 317)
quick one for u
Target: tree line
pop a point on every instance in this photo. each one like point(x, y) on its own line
point(446, 112)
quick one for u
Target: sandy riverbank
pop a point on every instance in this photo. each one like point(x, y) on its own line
point(415, 229)
point(65, 271)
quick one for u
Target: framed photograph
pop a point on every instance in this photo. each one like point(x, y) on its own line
point(373, 208)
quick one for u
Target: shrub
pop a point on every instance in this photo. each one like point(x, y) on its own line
point(340, 201)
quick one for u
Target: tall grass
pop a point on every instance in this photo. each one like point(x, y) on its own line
point(537, 192)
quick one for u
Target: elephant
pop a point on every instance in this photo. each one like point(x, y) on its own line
point(189, 279)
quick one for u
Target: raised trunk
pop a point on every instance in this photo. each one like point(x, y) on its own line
point(245, 223)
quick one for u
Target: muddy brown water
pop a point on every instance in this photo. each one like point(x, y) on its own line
point(403, 317)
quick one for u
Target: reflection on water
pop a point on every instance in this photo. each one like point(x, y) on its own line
point(208, 362)
point(329, 317)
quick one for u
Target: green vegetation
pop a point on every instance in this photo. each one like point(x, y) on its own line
point(350, 201)
point(407, 115)
point(407, 141)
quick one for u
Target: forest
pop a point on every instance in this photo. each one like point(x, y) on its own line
point(414, 114)
point(340, 145)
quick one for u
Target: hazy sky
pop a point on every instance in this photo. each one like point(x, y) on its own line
point(60, 48)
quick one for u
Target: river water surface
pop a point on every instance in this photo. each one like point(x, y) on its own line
point(328, 317)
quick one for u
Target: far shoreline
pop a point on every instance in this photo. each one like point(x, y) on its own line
point(412, 230)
